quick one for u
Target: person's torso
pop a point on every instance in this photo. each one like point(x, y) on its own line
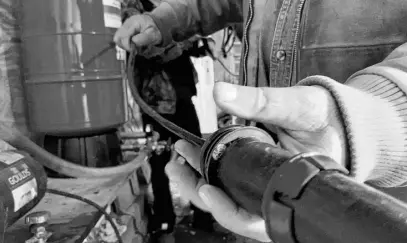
point(291, 39)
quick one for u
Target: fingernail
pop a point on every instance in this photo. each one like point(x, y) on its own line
point(225, 92)
point(181, 160)
point(179, 146)
point(203, 192)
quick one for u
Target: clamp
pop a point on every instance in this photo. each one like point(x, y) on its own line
point(288, 181)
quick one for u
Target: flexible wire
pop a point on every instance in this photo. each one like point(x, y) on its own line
point(133, 77)
point(99, 208)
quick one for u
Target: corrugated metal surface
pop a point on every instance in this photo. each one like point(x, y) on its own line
point(12, 103)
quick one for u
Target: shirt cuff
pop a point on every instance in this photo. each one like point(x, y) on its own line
point(370, 107)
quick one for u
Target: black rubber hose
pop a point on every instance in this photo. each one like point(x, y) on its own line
point(87, 201)
point(133, 77)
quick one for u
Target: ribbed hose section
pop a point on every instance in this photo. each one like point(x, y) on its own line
point(372, 108)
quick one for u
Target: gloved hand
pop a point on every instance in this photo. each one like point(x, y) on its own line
point(141, 30)
point(305, 118)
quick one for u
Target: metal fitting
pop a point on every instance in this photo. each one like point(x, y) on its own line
point(38, 222)
point(218, 151)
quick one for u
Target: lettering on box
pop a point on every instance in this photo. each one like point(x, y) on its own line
point(18, 176)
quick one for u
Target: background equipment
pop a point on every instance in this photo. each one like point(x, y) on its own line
point(74, 87)
point(73, 72)
point(23, 185)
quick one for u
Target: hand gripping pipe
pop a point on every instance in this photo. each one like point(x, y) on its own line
point(305, 198)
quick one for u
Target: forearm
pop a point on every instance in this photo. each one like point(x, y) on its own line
point(373, 107)
point(181, 19)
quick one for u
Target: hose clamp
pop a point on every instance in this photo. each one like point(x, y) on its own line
point(288, 181)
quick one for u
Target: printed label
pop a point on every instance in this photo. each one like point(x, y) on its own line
point(18, 174)
point(9, 157)
point(24, 194)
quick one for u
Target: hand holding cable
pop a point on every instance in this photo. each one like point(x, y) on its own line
point(138, 30)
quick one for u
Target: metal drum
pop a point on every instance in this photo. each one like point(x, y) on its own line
point(73, 73)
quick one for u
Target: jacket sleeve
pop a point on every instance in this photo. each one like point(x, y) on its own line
point(181, 19)
point(373, 106)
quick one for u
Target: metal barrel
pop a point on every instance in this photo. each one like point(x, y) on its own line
point(73, 73)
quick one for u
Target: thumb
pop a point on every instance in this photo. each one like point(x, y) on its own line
point(294, 108)
point(148, 37)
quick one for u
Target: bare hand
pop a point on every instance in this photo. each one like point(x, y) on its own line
point(141, 30)
point(305, 118)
